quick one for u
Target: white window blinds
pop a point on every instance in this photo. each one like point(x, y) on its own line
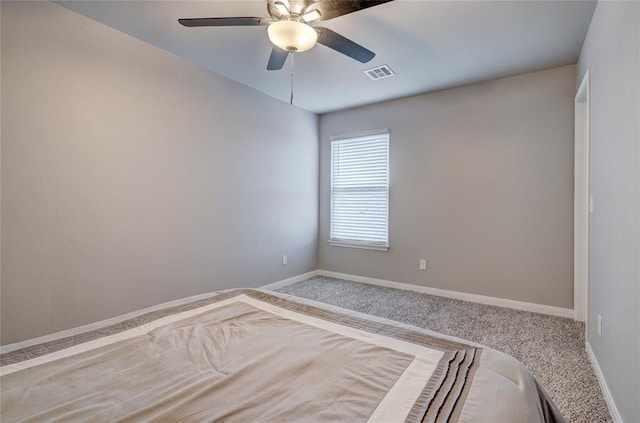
point(360, 191)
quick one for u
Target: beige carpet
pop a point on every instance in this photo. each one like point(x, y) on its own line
point(551, 347)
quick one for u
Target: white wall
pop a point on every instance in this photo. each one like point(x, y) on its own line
point(481, 187)
point(612, 52)
point(131, 177)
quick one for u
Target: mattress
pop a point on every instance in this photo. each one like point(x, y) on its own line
point(250, 355)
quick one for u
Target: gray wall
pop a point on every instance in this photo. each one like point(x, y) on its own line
point(612, 52)
point(481, 187)
point(131, 177)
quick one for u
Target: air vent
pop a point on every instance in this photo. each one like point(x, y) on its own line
point(380, 72)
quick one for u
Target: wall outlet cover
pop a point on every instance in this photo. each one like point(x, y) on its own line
point(599, 325)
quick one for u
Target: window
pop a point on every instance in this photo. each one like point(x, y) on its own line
point(360, 191)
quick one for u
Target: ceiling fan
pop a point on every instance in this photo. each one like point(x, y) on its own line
point(290, 30)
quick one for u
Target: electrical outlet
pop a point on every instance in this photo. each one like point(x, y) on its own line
point(423, 264)
point(284, 260)
point(599, 325)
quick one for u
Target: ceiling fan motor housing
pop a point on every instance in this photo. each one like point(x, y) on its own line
point(279, 9)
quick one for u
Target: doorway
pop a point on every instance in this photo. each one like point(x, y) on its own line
point(583, 201)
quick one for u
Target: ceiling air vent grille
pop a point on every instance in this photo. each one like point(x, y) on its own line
point(379, 72)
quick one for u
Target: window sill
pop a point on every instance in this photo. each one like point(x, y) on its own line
point(360, 245)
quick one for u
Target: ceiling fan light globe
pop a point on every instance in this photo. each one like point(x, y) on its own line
point(292, 35)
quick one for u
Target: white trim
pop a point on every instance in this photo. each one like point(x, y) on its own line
point(611, 405)
point(361, 245)
point(482, 299)
point(290, 281)
point(359, 134)
point(582, 201)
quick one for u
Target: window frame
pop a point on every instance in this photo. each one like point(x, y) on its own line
point(354, 243)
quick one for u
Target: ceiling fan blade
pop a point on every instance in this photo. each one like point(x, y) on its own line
point(330, 9)
point(238, 21)
point(343, 45)
point(277, 58)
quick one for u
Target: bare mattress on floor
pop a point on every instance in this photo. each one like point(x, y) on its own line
point(250, 355)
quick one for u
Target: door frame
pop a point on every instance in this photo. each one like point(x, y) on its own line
point(583, 201)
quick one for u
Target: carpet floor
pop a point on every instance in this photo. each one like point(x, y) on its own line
point(552, 348)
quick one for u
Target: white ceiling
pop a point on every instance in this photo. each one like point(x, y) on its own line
point(431, 45)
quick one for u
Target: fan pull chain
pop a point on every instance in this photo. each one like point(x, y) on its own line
point(291, 98)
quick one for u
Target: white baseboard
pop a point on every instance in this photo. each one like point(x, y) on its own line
point(290, 281)
point(482, 299)
point(613, 410)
